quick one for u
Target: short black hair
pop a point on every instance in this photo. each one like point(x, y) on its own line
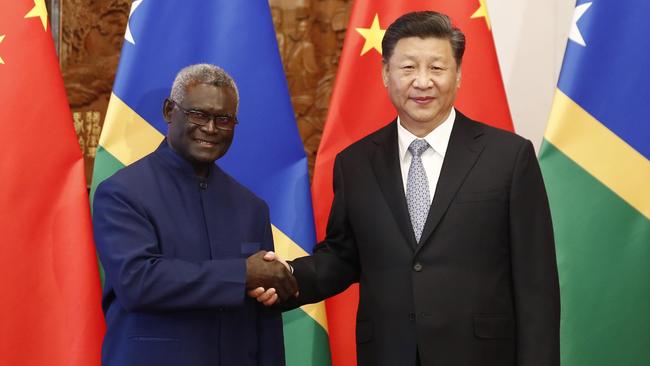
point(423, 24)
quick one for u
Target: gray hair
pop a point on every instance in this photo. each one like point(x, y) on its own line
point(423, 24)
point(201, 74)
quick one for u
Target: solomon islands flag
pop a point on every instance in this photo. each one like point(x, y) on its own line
point(595, 164)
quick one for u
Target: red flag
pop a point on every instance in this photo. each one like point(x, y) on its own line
point(51, 296)
point(360, 105)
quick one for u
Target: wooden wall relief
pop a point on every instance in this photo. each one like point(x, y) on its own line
point(91, 38)
point(310, 35)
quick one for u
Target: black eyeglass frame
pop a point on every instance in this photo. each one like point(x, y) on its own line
point(221, 121)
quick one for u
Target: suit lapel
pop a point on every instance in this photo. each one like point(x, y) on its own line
point(463, 150)
point(385, 164)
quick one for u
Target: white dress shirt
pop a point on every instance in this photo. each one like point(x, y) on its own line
point(432, 158)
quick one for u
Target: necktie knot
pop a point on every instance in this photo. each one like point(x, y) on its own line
point(418, 146)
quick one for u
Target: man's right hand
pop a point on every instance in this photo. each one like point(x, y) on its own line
point(270, 274)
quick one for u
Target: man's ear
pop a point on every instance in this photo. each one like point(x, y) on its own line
point(168, 106)
point(459, 77)
point(384, 73)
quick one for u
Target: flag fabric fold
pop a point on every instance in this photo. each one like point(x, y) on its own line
point(267, 155)
point(595, 160)
point(51, 295)
point(360, 105)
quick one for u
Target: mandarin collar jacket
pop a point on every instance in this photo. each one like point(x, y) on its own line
point(173, 247)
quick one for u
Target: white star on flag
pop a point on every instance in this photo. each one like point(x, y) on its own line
point(575, 34)
point(128, 36)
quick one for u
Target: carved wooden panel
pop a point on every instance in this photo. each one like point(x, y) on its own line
point(90, 41)
point(310, 37)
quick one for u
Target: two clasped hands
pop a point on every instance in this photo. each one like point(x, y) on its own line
point(269, 278)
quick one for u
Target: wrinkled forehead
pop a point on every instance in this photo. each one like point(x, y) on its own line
point(208, 96)
point(419, 48)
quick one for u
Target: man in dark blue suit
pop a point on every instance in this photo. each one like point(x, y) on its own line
point(177, 236)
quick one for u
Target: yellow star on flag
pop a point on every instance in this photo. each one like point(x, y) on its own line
point(2, 37)
point(373, 36)
point(39, 10)
point(482, 12)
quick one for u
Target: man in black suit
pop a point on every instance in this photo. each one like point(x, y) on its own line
point(443, 221)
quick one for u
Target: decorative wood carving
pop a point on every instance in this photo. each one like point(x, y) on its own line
point(90, 42)
point(310, 37)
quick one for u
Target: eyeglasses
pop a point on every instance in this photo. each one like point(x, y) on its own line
point(224, 122)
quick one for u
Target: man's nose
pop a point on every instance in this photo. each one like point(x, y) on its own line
point(210, 127)
point(423, 79)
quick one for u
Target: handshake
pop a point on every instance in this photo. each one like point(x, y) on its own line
point(269, 278)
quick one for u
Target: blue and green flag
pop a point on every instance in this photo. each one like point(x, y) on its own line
point(267, 155)
point(597, 173)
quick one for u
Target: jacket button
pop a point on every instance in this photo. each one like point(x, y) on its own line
point(417, 267)
point(412, 317)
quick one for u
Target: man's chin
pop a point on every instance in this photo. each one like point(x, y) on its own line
point(205, 154)
point(205, 157)
point(430, 117)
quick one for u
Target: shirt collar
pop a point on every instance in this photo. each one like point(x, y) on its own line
point(438, 139)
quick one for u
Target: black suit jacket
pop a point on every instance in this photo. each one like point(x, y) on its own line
point(481, 287)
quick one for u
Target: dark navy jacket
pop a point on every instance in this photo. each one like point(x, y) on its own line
point(174, 249)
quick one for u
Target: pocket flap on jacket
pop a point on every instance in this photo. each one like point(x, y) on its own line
point(494, 326)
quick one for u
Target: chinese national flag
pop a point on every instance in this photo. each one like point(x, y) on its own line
point(360, 106)
point(50, 312)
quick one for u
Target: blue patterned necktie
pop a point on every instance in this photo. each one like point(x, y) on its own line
point(417, 188)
